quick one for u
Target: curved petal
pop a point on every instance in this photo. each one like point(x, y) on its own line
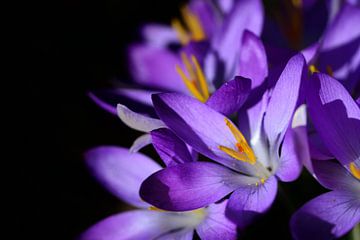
point(334, 176)
point(120, 171)
point(247, 202)
point(138, 121)
point(284, 99)
point(246, 14)
point(200, 126)
point(253, 61)
point(328, 216)
point(137, 225)
point(336, 117)
point(230, 97)
point(190, 186)
point(159, 35)
point(171, 149)
point(155, 67)
point(216, 225)
point(140, 142)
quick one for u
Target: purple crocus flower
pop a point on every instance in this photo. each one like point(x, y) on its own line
point(249, 171)
point(336, 117)
point(210, 59)
point(122, 172)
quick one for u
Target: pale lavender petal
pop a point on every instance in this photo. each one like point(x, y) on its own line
point(310, 52)
point(329, 216)
point(138, 225)
point(247, 202)
point(185, 234)
point(230, 97)
point(171, 149)
point(155, 67)
point(138, 121)
point(120, 171)
point(253, 61)
point(216, 225)
point(140, 142)
point(334, 176)
point(246, 14)
point(190, 186)
point(284, 99)
point(200, 126)
point(159, 35)
point(335, 116)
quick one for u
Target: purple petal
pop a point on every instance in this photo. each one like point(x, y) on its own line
point(159, 35)
point(138, 121)
point(230, 97)
point(190, 186)
point(358, 101)
point(171, 149)
point(318, 150)
point(246, 14)
point(334, 176)
point(310, 52)
point(120, 171)
point(284, 99)
point(336, 117)
point(186, 234)
point(140, 142)
point(247, 202)
point(253, 62)
point(328, 216)
point(200, 126)
point(138, 224)
point(155, 67)
point(216, 225)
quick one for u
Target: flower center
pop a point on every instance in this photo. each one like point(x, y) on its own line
point(192, 29)
point(355, 171)
point(196, 82)
point(242, 151)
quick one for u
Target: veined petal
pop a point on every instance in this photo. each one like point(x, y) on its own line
point(253, 61)
point(171, 149)
point(140, 142)
point(138, 121)
point(336, 117)
point(330, 215)
point(139, 225)
point(284, 99)
point(230, 96)
point(200, 126)
point(216, 225)
point(246, 14)
point(334, 176)
point(190, 186)
point(247, 202)
point(120, 171)
point(155, 67)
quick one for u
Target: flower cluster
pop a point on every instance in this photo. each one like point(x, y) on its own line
point(235, 102)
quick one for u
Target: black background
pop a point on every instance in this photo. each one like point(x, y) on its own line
point(78, 46)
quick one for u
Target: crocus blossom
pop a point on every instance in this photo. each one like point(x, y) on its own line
point(336, 117)
point(122, 172)
point(249, 171)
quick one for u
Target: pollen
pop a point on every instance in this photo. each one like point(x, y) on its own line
point(355, 171)
point(313, 69)
point(196, 82)
point(192, 30)
point(243, 151)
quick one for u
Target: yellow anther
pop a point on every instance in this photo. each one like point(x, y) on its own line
point(355, 171)
point(244, 152)
point(153, 208)
point(329, 70)
point(200, 77)
point(190, 85)
point(262, 180)
point(181, 32)
point(313, 69)
point(196, 84)
point(193, 23)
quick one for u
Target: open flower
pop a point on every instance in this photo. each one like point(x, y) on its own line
point(248, 170)
point(122, 172)
point(336, 117)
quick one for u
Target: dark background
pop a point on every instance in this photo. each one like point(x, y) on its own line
point(78, 46)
